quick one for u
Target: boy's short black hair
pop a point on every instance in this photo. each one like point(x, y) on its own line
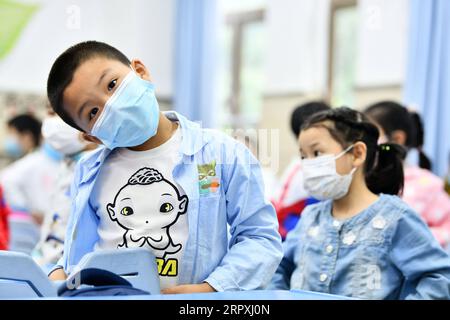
point(303, 112)
point(66, 64)
point(26, 123)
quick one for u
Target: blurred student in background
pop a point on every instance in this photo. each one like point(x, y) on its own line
point(423, 190)
point(291, 198)
point(4, 225)
point(29, 181)
point(23, 136)
point(70, 143)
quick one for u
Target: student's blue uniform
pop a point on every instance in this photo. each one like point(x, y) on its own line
point(243, 257)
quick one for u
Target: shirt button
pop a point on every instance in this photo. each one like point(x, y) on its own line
point(323, 277)
point(336, 223)
point(329, 248)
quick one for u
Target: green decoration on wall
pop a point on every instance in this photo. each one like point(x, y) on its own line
point(14, 16)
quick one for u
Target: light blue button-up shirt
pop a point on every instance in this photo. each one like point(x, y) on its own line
point(243, 257)
point(385, 252)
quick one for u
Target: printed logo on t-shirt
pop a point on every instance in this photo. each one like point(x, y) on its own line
point(207, 178)
point(148, 199)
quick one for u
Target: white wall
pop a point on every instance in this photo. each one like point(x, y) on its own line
point(140, 28)
point(383, 36)
point(298, 44)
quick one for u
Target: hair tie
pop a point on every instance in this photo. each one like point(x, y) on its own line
point(384, 147)
point(391, 147)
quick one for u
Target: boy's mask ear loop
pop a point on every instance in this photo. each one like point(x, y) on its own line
point(132, 69)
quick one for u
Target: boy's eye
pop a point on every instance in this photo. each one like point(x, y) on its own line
point(93, 113)
point(166, 207)
point(112, 84)
point(317, 153)
point(127, 211)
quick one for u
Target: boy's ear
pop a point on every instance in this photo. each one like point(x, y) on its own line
point(92, 139)
point(141, 69)
point(111, 212)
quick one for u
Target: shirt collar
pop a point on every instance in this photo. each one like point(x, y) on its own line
point(194, 138)
point(361, 218)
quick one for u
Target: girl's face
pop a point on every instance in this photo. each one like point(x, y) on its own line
point(317, 141)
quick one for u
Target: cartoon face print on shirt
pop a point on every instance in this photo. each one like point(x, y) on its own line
point(146, 207)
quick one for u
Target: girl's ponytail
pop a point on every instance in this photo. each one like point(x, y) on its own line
point(386, 175)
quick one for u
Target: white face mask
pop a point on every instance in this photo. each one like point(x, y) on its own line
point(62, 137)
point(321, 179)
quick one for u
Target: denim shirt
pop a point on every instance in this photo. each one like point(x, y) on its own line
point(243, 257)
point(384, 252)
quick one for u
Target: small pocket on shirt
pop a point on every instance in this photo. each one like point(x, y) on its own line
point(211, 217)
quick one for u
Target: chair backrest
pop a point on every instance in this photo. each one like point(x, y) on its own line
point(21, 277)
point(136, 265)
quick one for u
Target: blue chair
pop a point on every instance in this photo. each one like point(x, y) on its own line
point(136, 265)
point(21, 277)
point(24, 236)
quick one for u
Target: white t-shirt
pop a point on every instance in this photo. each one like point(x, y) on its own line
point(140, 205)
point(29, 182)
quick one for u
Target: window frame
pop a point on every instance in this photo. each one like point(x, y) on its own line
point(335, 6)
point(237, 21)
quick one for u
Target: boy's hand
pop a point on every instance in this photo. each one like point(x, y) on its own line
point(189, 288)
point(57, 275)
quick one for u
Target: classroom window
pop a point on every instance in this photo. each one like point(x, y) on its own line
point(242, 67)
point(342, 44)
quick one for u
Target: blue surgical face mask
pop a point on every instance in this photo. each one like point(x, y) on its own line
point(130, 116)
point(13, 148)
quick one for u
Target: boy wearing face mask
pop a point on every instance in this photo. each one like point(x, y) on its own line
point(69, 142)
point(361, 241)
point(157, 179)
